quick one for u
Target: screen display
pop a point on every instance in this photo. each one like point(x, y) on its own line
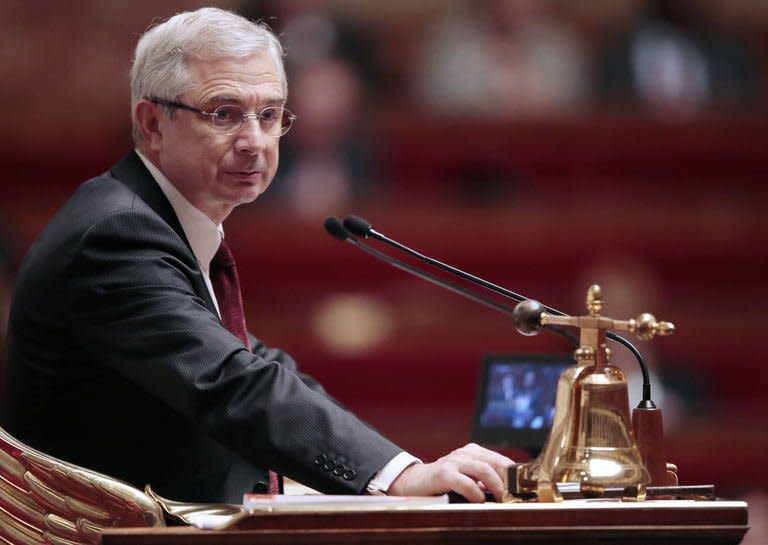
point(515, 402)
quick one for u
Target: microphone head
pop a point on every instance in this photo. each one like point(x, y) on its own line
point(527, 317)
point(335, 228)
point(357, 226)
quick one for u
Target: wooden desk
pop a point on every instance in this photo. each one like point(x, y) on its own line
point(572, 522)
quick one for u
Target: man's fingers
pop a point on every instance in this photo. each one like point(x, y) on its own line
point(482, 466)
point(467, 487)
point(470, 471)
point(482, 472)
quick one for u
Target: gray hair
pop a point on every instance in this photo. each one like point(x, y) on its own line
point(160, 64)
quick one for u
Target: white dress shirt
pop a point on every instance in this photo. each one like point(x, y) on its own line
point(203, 234)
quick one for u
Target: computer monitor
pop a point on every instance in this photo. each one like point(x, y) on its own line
point(515, 400)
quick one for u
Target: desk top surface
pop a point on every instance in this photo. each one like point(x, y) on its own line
point(574, 521)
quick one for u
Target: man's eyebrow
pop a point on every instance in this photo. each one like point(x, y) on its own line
point(223, 99)
point(274, 101)
point(238, 101)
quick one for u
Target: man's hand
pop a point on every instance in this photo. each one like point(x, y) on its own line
point(470, 471)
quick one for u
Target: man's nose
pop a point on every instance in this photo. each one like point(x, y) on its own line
point(251, 138)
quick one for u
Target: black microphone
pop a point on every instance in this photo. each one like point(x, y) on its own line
point(359, 226)
point(526, 316)
point(335, 228)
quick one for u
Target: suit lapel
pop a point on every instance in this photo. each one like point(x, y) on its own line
point(132, 172)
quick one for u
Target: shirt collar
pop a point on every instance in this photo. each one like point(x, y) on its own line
point(203, 234)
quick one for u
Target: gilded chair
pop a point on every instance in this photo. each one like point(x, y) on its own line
point(44, 500)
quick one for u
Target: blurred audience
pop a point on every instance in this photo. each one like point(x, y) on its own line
point(674, 59)
point(327, 162)
point(493, 57)
point(313, 30)
point(507, 58)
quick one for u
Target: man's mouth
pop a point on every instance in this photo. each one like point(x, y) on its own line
point(244, 173)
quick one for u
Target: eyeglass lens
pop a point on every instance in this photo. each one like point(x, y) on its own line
point(273, 120)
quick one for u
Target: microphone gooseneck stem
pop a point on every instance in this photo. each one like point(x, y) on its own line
point(360, 227)
point(430, 277)
point(454, 288)
point(453, 270)
point(647, 400)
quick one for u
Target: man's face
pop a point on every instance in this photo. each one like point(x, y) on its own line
point(215, 171)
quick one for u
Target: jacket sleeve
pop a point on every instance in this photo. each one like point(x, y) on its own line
point(135, 307)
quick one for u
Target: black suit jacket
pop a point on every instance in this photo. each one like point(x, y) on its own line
point(118, 362)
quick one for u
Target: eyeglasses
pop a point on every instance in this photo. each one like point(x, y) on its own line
point(229, 119)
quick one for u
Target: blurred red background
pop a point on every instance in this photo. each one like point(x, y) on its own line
point(660, 200)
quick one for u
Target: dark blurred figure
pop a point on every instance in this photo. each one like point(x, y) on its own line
point(501, 58)
point(8, 263)
point(310, 30)
point(328, 162)
point(673, 59)
point(8, 251)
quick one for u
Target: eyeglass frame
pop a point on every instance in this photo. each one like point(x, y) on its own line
point(243, 118)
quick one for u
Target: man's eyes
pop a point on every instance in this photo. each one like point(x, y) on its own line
point(228, 113)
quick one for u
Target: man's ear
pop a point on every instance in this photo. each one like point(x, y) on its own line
point(147, 116)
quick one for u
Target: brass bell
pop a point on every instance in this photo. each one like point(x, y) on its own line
point(591, 442)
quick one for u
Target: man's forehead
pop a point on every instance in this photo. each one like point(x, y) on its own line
point(257, 62)
point(227, 79)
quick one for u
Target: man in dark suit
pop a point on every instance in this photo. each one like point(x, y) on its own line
point(118, 358)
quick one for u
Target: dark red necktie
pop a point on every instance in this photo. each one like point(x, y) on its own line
point(226, 286)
